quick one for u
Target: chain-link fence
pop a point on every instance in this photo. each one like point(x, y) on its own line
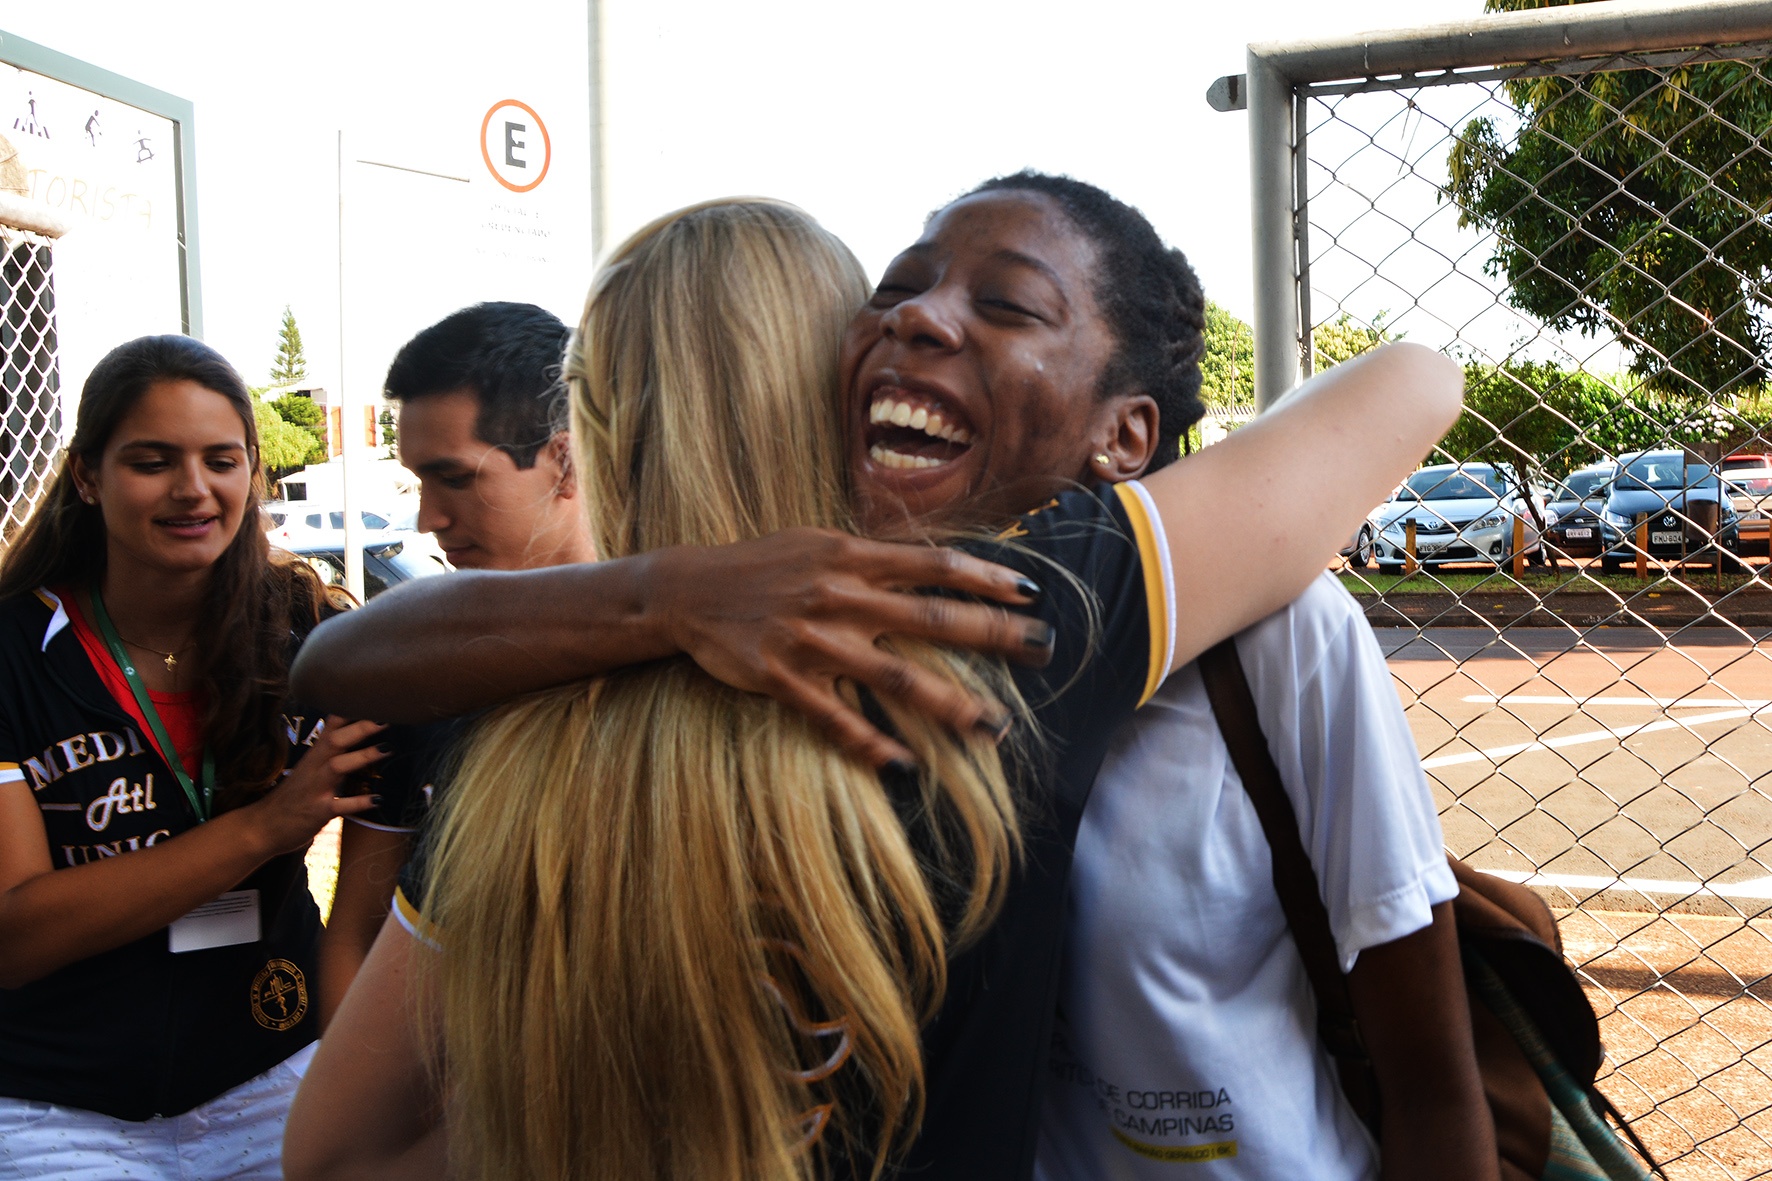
point(1578, 590)
point(30, 379)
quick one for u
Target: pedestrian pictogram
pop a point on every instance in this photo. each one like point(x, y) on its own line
point(28, 122)
point(514, 143)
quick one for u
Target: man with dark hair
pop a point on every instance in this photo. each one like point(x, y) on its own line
point(481, 426)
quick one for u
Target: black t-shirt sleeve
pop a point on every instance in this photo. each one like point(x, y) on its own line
point(442, 743)
point(403, 780)
point(1101, 560)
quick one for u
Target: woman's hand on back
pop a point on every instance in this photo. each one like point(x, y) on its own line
point(308, 799)
point(791, 614)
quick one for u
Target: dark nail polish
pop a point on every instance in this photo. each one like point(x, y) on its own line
point(375, 799)
point(1028, 587)
point(901, 767)
point(386, 748)
point(1040, 635)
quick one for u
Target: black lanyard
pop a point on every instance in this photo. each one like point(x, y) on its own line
point(199, 804)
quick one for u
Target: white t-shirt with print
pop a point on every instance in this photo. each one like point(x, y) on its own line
point(1186, 1044)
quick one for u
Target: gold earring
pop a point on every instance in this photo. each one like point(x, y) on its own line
point(1102, 459)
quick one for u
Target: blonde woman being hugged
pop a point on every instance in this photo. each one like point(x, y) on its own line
point(679, 935)
point(157, 937)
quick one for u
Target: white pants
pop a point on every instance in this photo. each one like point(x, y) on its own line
point(238, 1134)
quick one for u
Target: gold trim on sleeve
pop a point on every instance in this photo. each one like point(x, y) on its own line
point(1155, 594)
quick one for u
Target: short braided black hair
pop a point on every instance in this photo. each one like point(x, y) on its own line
point(510, 355)
point(1150, 296)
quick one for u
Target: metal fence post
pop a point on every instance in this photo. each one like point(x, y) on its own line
point(1271, 179)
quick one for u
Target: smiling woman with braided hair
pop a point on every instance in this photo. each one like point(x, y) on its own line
point(1148, 293)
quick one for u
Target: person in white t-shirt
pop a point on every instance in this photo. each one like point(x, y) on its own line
point(1187, 1026)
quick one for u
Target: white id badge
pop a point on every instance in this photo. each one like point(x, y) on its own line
point(230, 919)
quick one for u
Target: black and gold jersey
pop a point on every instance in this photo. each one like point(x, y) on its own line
point(985, 1053)
point(136, 1031)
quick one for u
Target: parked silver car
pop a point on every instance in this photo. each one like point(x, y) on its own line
point(1462, 513)
point(1359, 548)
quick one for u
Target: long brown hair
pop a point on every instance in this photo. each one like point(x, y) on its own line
point(684, 934)
point(244, 641)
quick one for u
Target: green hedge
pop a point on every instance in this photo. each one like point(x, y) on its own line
point(1556, 420)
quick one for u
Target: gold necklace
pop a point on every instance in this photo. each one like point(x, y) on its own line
point(169, 659)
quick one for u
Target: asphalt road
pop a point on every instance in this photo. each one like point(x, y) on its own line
point(1629, 776)
point(1619, 769)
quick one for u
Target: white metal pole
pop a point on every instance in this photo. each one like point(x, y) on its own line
point(1270, 203)
point(349, 413)
point(598, 145)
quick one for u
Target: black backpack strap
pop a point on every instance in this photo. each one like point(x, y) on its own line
point(1227, 688)
point(1608, 1110)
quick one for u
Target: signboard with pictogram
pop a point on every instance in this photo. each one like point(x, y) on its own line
point(110, 159)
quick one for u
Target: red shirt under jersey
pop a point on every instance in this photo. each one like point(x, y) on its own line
point(180, 713)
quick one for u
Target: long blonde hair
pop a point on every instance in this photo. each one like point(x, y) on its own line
point(686, 937)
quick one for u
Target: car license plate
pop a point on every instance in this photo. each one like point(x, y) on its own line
point(1579, 534)
point(1673, 537)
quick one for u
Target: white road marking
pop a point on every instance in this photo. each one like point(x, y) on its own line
point(1495, 753)
point(1664, 702)
point(1757, 888)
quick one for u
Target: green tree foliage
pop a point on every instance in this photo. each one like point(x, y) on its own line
point(302, 412)
point(281, 444)
point(291, 364)
point(299, 409)
point(1633, 202)
point(1227, 370)
point(1344, 338)
point(1531, 414)
point(1552, 420)
point(389, 432)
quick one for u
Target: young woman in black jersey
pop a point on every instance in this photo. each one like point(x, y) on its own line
point(372, 1111)
point(157, 791)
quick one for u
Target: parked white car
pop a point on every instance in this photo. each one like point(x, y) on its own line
point(302, 526)
point(305, 523)
point(1462, 513)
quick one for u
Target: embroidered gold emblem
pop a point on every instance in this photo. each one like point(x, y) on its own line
point(279, 995)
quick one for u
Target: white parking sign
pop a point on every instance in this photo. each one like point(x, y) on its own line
point(514, 143)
